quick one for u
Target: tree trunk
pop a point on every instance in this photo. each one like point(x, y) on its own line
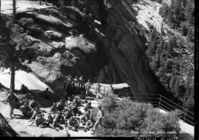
point(14, 11)
point(5, 129)
point(0, 6)
point(12, 80)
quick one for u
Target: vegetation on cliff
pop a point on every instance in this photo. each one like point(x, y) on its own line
point(172, 60)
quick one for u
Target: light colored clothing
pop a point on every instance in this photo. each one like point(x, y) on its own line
point(100, 114)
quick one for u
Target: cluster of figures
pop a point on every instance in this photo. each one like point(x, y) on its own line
point(66, 111)
point(77, 86)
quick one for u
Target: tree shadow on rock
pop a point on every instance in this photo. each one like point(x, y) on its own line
point(43, 100)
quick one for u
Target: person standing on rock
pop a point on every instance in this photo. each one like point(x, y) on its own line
point(13, 102)
point(100, 115)
point(87, 87)
point(97, 91)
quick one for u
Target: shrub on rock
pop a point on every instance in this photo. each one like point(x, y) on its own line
point(124, 118)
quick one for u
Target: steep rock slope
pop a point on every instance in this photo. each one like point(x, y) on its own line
point(126, 47)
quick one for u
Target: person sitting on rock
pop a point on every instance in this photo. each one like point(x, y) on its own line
point(25, 109)
point(73, 123)
point(53, 107)
point(23, 89)
point(74, 109)
point(85, 117)
point(39, 119)
point(76, 101)
point(60, 105)
point(48, 121)
point(67, 114)
point(58, 117)
point(13, 102)
point(36, 111)
point(33, 104)
point(88, 106)
point(90, 123)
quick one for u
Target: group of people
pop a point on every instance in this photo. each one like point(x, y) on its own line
point(76, 86)
point(66, 110)
point(62, 112)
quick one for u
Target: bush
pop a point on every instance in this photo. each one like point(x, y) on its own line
point(124, 118)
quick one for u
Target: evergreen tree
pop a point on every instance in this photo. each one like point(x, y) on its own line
point(184, 30)
point(172, 83)
point(190, 12)
point(15, 48)
point(177, 8)
point(168, 64)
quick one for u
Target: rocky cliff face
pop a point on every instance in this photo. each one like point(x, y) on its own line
point(126, 48)
point(115, 54)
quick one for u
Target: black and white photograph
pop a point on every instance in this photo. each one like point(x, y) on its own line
point(98, 69)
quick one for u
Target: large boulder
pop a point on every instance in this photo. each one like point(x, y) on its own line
point(81, 43)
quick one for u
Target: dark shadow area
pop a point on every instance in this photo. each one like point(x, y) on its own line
point(60, 127)
point(42, 100)
point(18, 116)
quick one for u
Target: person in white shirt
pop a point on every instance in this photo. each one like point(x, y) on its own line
point(100, 115)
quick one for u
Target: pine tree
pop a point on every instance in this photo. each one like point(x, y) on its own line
point(15, 48)
point(172, 83)
point(184, 30)
point(177, 8)
point(176, 86)
point(190, 12)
